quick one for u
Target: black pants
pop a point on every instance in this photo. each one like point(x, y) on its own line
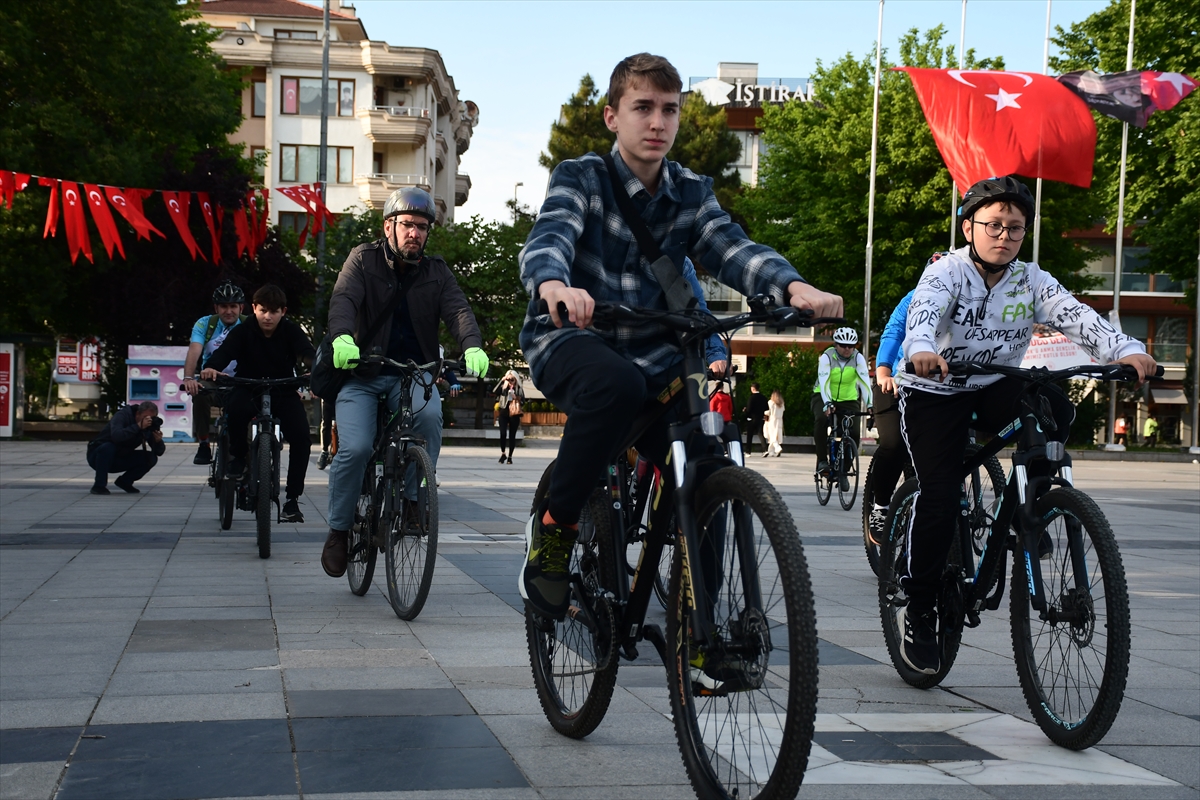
point(293, 422)
point(754, 427)
point(935, 428)
point(602, 394)
point(890, 455)
point(821, 424)
point(508, 429)
point(107, 457)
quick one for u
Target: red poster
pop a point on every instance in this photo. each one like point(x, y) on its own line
point(6, 389)
point(89, 361)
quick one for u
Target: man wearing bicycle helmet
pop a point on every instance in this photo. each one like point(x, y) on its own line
point(842, 381)
point(207, 335)
point(388, 300)
point(268, 345)
point(978, 303)
point(580, 250)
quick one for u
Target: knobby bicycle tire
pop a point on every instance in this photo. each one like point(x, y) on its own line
point(412, 534)
point(1073, 673)
point(574, 667)
point(849, 464)
point(868, 504)
point(893, 554)
point(224, 486)
point(824, 485)
point(363, 549)
point(750, 736)
point(262, 510)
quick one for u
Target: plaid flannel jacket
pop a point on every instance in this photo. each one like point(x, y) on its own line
point(581, 239)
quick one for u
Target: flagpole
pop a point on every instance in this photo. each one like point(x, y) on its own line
point(1115, 314)
point(1037, 205)
point(1195, 448)
point(866, 350)
point(323, 164)
point(962, 38)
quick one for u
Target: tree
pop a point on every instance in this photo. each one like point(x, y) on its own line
point(1163, 172)
point(704, 144)
point(811, 200)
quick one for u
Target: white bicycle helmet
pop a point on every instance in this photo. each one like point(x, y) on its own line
point(845, 336)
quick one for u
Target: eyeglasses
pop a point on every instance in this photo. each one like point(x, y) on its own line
point(993, 229)
point(423, 227)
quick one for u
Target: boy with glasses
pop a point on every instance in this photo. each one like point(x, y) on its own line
point(978, 303)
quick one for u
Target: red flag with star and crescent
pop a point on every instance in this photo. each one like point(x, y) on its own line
point(178, 204)
point(128, 203)
point(78, 238)
point(102, 216)
point(992, 122)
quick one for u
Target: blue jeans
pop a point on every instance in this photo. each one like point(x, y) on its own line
point(356, 404)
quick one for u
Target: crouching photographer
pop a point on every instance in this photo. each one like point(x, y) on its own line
point(130, 443)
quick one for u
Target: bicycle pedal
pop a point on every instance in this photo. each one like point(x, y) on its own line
point(972, 620)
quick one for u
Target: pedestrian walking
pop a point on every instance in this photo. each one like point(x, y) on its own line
point(773, 428)
point(511, 399)
point(1150, 431)
point(755, 414)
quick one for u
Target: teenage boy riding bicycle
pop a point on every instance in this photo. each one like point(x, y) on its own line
point(977, 303)
point(581, 250)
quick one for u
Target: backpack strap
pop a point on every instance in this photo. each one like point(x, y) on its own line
point(678, 291)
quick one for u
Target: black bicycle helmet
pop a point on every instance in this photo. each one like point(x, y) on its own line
point(228, 292)
point(991, 190)
point(410, 200)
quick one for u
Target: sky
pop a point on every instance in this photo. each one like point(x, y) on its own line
point(520, 61)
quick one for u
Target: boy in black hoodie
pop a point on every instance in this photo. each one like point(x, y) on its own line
point(267, 345)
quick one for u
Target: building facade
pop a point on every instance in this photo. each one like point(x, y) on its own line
point(395, 117)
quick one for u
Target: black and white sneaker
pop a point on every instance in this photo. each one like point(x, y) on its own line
point(919, 644)
point(291, 511)
point(875, 525)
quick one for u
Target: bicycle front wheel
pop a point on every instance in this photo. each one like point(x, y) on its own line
point(363, 549)
point(1073, 661)
point(744, 704)
point(824, 485)
point(575, 659)
point(262, 508)
point(849, 473)
point(412, 535)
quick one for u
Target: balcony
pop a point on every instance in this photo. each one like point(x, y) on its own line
point(440, 150)
point(376, 187)
point(396, 124)
point(462, 188)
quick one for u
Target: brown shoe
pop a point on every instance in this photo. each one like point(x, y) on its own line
point(333, 557)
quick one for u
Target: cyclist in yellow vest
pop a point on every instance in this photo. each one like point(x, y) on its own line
point(842, 381)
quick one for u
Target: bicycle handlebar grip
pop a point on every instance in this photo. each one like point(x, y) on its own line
point(911, 370)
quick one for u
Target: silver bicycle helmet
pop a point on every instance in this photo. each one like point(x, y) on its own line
point(410, 200)
point(845, 336)
point(228, 292)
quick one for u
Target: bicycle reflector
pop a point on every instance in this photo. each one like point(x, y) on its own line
point(712, 423)
point(1055, 451)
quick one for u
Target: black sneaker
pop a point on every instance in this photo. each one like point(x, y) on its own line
point(126, 486)
point(875, 525)
point(844, 483)
point(822, 468)
point(96, 489)
point(291, 511)
point(236, 467)
point(203, 454)
point(919, 647)
point(544, 582)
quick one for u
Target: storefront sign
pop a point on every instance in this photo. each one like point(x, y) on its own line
point(1055, 352)
point(8, 387)
point(738, 94)
point(77, 361)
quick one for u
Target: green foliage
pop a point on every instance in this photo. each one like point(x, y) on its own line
point(483, 256)
point(704, 144)
point(791, 371)
point(811, 200)
point(1163, 167)
point(580, 128)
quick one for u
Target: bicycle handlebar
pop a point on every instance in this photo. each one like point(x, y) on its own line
point(410, 365)
point(1108, 372)
point(697, 322)
point(233, 380)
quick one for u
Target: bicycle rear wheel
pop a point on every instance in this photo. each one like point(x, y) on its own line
point(1073, 665)
point(745, 707)
point(226, 500)
point(263, 506)
point(850, 471)
point(412, 535)
point(363, 548)
point(893, 558)
point(574, 659)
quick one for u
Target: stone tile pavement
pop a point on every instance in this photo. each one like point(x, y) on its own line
point(146, 654)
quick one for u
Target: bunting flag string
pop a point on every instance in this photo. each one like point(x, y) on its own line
point(249, 219)
point(317, 214)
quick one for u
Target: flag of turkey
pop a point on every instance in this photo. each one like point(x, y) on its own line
point(991, 122)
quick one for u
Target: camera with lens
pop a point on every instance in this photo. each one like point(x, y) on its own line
point(156, 424)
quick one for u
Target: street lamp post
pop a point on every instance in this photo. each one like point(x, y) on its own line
point(516, 185)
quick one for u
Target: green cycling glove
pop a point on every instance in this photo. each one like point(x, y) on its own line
point(477, 362)
point(344, 351)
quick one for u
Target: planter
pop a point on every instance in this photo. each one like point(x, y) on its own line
point(545, 418)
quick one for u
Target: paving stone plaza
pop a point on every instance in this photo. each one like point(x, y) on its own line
point(146, 654)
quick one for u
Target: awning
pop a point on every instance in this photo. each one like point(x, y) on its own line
point(1168, 396)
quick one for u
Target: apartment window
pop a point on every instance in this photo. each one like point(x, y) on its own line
point(260, 166)
point(377, 163)
point(1170, 339)
point(303, 96)
point(309, 35)
point(293, 221)
point(298, 163)
point(258, 106)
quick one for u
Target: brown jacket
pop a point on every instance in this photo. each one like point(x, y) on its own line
point(366, 284)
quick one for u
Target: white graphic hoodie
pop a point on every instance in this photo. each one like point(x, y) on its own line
point(954, 314)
